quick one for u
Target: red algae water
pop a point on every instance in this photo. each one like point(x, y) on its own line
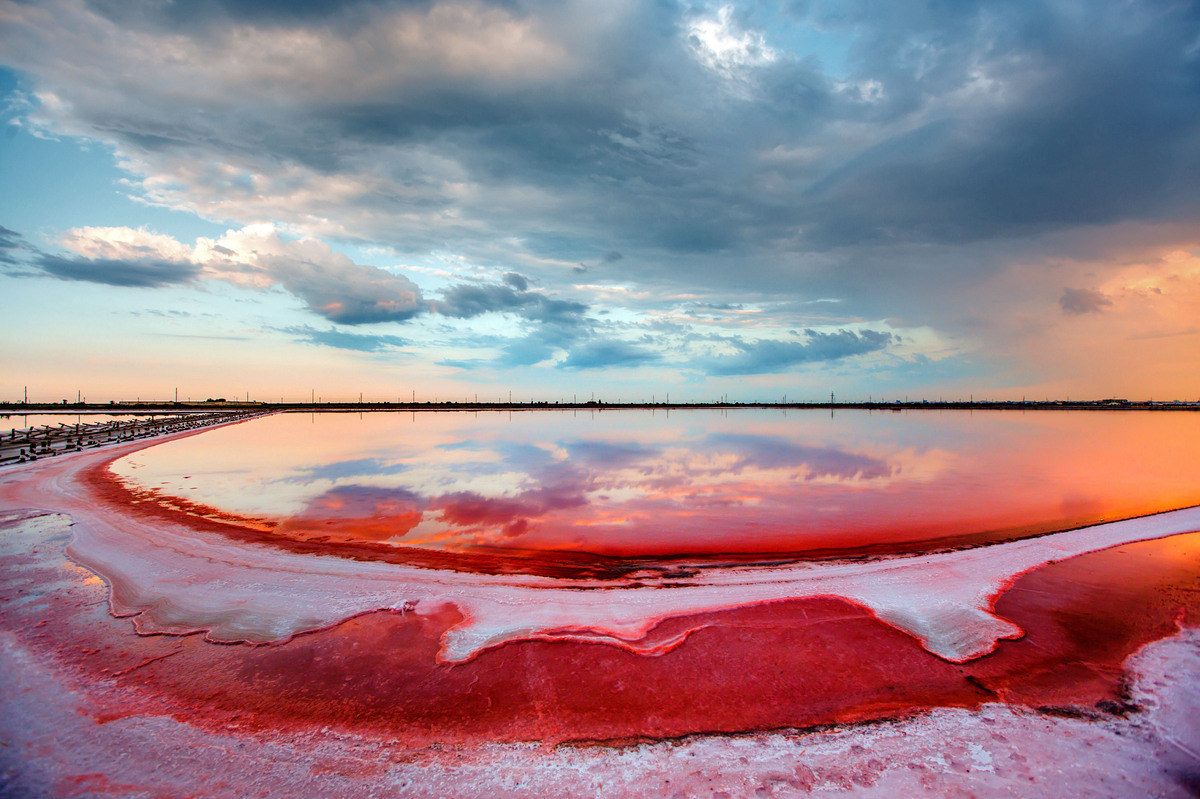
point(660, 486)
point(603, 578)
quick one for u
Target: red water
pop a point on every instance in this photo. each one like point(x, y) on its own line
point(552, 493)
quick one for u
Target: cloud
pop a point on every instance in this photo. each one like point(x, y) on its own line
point(340, 339)
point(517, 281)
point(600, 353)
point(886, 155)
point(10, 241)
point(345, 292)
point(330, 284)
point(123, 243)
point(120, 256)
point(142, 273)
point(1081, 301)
point(769, 355)
point(611, 127)
point(529, 350)
point(468, 300)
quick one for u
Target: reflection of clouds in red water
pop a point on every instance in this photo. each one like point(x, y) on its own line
point(632, 499)
point(356, 512)
point(637, 486)
point(768, 452)
point(613, 499)
point(467, 509)
point(512, 517)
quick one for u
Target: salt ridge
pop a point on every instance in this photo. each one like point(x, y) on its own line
point(173, 579)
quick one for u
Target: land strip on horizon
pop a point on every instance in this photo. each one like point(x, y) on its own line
point(168, 406)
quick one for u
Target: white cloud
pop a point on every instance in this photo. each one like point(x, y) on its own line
point(720, 45)
point(123, 243)
point(330, 283)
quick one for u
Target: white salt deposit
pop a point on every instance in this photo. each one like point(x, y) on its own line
point(174, 579)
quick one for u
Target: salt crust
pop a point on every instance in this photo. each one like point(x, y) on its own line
point(52, 746)
point(174, 579)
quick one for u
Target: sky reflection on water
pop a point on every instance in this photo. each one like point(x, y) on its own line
point(642, 484)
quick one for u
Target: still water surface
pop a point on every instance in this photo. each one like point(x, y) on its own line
point(701, 483)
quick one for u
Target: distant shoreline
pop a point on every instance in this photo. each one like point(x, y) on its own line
point(593, 405)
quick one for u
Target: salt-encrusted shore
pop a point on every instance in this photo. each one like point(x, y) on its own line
point(88, 707)
point(53, 742)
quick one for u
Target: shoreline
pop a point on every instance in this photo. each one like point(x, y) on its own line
point(17, 409)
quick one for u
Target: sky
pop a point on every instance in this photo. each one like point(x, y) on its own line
point(622, 199)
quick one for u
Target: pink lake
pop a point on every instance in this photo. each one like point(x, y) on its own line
point(683, 485)
point(302, 587)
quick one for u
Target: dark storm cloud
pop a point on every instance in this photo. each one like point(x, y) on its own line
point(600, 353)
point(1075, 119)
point(143, 273)
point(769, 355)
point(1081, 301)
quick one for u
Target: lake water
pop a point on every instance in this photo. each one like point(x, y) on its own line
point(699, 484)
